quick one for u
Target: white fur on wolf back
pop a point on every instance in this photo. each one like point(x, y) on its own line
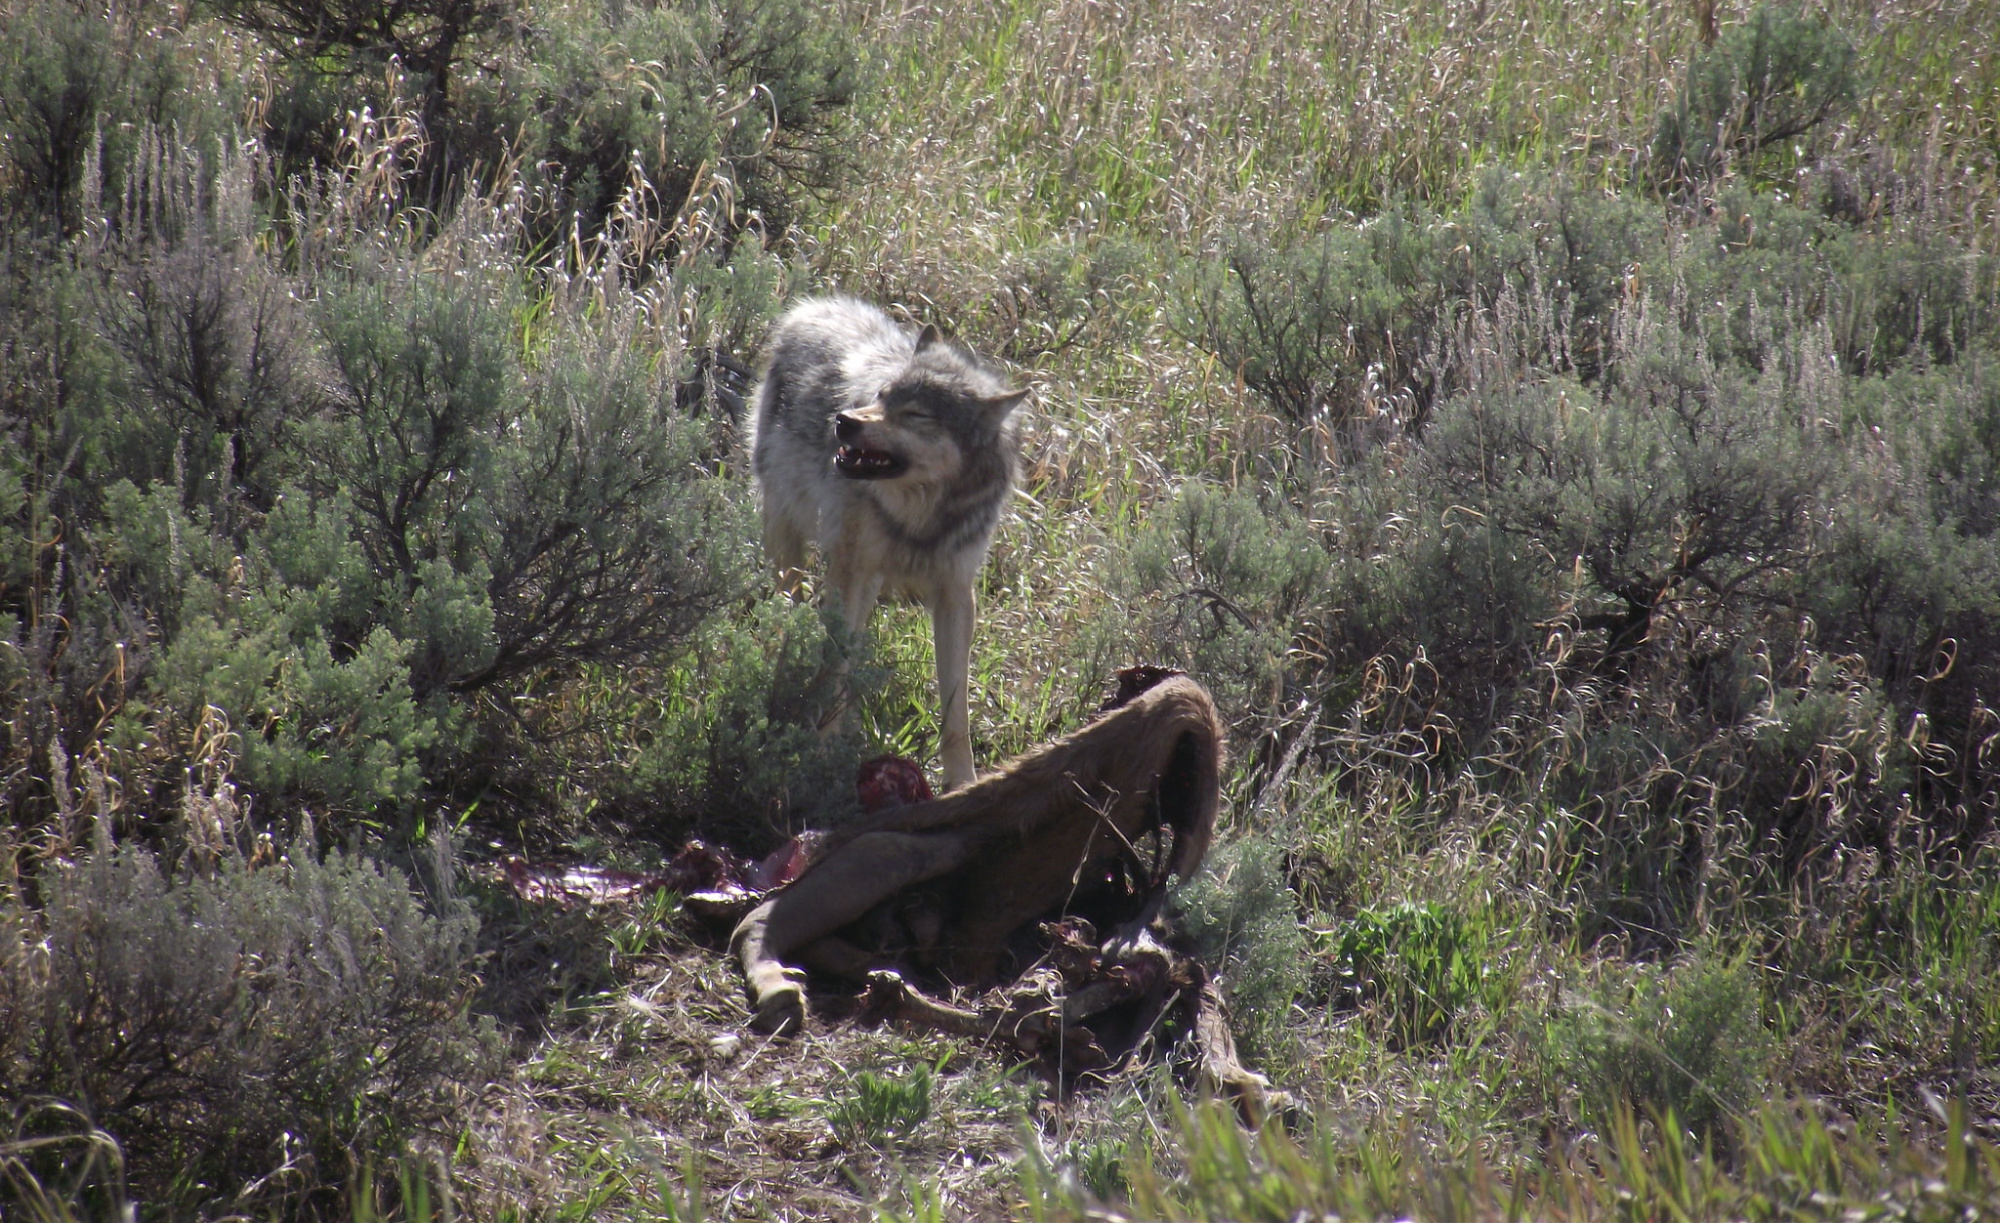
point(922, 532)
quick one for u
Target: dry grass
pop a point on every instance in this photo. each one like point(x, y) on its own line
point(638, 1092)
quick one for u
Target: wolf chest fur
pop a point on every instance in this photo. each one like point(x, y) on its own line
point(894, 451)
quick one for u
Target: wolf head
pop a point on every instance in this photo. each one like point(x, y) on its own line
point(945, 404)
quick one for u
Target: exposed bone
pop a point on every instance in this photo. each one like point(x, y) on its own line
point(1042, 1017)
point(1217, 1064)
point(890, 1000)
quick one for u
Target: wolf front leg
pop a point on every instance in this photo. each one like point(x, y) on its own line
point(785, 549)
point(952, 609)
point(857, 589)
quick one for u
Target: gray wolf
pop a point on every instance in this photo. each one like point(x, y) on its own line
point(895, 452)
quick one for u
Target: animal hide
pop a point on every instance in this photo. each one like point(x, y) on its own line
point(1017, 872)
point(973, 868)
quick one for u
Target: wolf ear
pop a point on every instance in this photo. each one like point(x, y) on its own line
point(1000, 405)
point(928, 336)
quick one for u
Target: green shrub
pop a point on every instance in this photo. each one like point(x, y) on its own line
point(1694, 541)
point(1544, 263)
point(754, 92)
point(725, 305)
point(1631, 538)
point(1773, 78)
point(1909, 580)
point(1337, 328)
point(1376, 324)
point(737, 112)
point(1664, 484)
point(1445, 601)
point(334, 522)
point(81, 87)
point(520, 512)
point(1059, 295)
point(1243, 917)
point(212, 336)
point(429, 39)
point(1684, 1039)
point(1610, 507)
point(1913, 294)
point(276, 1026)
point(732, 749)
point(1220, 584)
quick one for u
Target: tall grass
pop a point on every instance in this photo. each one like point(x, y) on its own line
point(1643, 1167)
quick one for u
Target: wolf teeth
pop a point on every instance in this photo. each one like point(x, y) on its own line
point(854, 457)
